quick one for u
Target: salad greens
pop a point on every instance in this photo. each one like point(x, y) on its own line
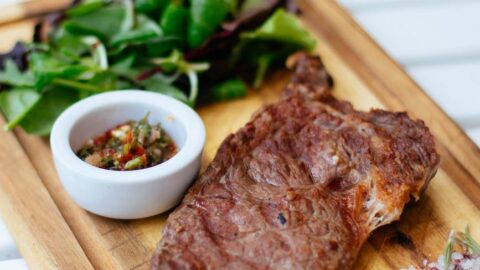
point(197, 51)
point(205, 17)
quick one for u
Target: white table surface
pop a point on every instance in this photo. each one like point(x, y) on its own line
point(437, 42)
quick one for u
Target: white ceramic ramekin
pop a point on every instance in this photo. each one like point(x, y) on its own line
point(127, 194)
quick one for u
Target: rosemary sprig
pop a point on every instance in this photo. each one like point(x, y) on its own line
point(467, 241)
point(447, 253)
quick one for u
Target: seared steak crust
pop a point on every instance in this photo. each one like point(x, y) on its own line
point(301, 186)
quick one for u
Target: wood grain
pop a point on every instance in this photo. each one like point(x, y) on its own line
point(16, 31)
point(42, 235)
point(365, 76)
point(80, 222)
point(30, 8)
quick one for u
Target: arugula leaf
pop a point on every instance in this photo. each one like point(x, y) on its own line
point(43, 114)
point(284, 28)
point(12, 76)
point(16, 103)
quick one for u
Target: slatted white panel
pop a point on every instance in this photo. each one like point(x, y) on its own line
point(475, 135)
point(438, 42)
point(412, 33)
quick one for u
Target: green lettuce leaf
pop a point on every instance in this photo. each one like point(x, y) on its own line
point(14, 77)
point(39, 120)
point(284, 28)
point(146, 29)
point(16, 104)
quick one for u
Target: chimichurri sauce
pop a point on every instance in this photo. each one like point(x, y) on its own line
point(130, 146)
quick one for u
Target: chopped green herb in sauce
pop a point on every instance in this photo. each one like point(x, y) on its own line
point(129, 146)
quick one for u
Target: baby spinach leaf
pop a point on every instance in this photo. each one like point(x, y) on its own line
point(43, 114)
point(14, 77)
point(16, 103)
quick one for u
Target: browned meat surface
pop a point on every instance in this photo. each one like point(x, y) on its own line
point(301, 186)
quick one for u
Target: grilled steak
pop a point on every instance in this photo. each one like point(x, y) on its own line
point(301, 186)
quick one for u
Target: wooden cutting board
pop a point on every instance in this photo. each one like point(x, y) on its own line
point(53, 232)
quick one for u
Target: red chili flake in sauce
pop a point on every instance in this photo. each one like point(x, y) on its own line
point(129, 146)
